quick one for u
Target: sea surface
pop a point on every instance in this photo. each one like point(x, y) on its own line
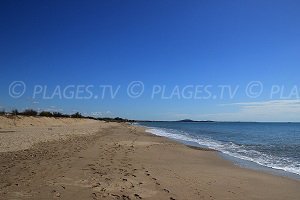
point(271, 145)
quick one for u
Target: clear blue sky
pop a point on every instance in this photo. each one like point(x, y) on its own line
point(157, 42)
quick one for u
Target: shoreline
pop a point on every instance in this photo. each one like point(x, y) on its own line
point(240, 162)
point(120, 161)
point(245, 164)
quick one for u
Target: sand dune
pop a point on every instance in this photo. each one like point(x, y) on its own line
point(19, 132)
point(23, 121)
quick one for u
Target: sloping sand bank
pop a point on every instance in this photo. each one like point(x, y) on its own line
point(19, 132)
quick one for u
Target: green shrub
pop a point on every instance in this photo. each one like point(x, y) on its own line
point(15, 112)
point(2, 112)
point(29, 112)
point(46, 114)
point(57, 114)
point(77, 115)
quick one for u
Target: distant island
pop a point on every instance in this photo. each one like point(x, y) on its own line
point(189, 120)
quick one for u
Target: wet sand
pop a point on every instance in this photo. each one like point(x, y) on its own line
point(119, 161)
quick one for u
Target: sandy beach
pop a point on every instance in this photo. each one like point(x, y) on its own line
point(46, 158)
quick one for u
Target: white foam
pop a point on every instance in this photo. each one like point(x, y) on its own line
point(231, 149)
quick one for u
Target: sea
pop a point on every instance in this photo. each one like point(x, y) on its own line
point(272, 147)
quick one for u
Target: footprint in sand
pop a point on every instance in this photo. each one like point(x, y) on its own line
point(124, 197)
point(137, 196)
point(166, 190)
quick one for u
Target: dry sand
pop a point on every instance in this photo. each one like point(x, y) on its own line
point(19, 132)
point(86, 159)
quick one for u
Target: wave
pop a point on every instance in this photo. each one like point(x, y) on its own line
point(238, 151)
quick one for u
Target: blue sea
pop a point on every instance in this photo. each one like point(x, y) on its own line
point(271, 145)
